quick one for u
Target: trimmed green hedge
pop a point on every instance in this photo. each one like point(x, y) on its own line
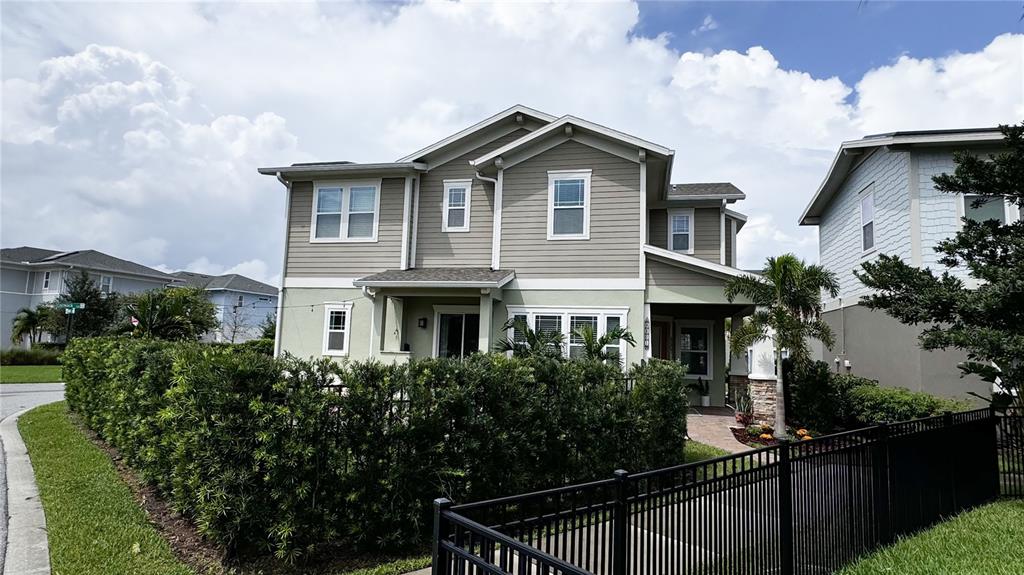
point(871, 404)
point(29, 357)
point(285, 454)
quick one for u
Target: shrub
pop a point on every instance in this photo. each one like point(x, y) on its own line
point(32, 356)
point(820, 399)
point(286, 454)
point(259, 345)
point(873, 404)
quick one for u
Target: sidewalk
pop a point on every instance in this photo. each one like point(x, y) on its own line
point(710, 426)
point(27, 550)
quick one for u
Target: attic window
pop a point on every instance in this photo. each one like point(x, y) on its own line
point(569, 205)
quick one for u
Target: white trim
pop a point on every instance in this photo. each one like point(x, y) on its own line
point(496, 224)
point(557, 125)
point(318, 282)
point(47, 280)
point(867, 192)
point(514, 158)
point(700, 323)
point(467, 185)
point(721, 233)
point(556, 175)
point(681, 212)
point(695, 262)
point(347, 330)
point(1009, 216)
point(345, 186)
point(736, 215)
point(415, 221)
point(406, 209)
point(450, 310)
point(574, 284)
point(517, 109)
point(644, 214)
point(110, 288)
point(732, 259)
point(284, 263)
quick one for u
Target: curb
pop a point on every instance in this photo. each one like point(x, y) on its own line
point(28, 550)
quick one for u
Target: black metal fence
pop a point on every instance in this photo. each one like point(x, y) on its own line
point(795, 508)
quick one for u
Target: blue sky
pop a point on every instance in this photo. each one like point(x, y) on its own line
point(844, 39)
point(151, 118)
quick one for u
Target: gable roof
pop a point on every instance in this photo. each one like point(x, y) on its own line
point(705, 191)
point(502, 115)
point(88, 259)
point(694, 263)
point(226, 282)
point(847, 156)
point(569, 123)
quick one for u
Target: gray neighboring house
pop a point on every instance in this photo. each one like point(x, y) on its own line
point(242, 303)
point(878, 197)
point(31, 276)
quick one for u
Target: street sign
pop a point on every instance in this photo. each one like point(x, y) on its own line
point(69, 306)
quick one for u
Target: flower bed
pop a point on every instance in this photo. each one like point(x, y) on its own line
point(764, 436)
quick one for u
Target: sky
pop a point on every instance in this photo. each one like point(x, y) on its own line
point(136, 129)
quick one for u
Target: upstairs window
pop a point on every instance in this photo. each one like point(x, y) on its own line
point(46, 281)
point(569, 205)
point(680, 230)
point(987, 209)
point(240, 301)
point(867, 221)
point(106, 284)
point(456, 205)
point(345, 212)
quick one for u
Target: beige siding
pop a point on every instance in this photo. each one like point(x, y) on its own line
point(665, 275)
point(657, 228)
point(728, 241)
point(307, 259)
point(613, 247)
point(707, 238)
point(435, 248)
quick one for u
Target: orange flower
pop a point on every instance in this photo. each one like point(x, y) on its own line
point(806, 437)
point(765, 436)
point(801, 432)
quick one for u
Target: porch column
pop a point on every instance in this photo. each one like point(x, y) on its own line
point(486, 313)
point(377, 324)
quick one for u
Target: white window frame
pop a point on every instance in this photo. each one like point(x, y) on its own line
point(566, 313)
point(449, 184)
point(451, 310)
point(555, 175)
point(46, 281)
point(346, 187)
point(868, 192)
point(328, 308)
point(109, 280)
point(681, 212)
point(240, 301)
point(704, 324)
point(1009, 215)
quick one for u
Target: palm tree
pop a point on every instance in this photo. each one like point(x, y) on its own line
point(170, 313)
point(596, 347)
point(28, 322)
point(787, 296)
point(530, 343)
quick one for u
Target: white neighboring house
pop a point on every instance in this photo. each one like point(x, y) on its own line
point(878, 197)
point(30, 277)
point(242, 303)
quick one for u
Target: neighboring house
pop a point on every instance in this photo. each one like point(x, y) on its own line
point(242, 303)
point(878, 198)
point(34, 276)
point(559, 221)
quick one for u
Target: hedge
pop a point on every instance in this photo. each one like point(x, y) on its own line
point(285, 455)
point(29, 357)
point(873, 404)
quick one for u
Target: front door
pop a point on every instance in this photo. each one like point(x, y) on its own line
point(661, 333)
point(458, 334)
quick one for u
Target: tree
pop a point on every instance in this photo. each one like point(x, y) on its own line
point(596, 347)
point(268, 327)
point(28, 323)
point(787, 296)
point(97, 318)
point(987, 321)
point(171, 313)
point(237, 323)
point(529, 343)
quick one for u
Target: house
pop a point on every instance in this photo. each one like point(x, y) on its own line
point(556, 220)
point(242, 303)
point(878, 198)
point(31, 277)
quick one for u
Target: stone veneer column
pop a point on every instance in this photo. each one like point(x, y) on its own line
point(762, 398)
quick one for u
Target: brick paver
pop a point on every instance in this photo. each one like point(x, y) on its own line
point(710, 425)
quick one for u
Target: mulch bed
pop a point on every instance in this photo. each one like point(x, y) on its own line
point(203, 556)
point(745, 438)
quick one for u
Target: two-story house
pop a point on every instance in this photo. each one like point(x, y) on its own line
point(878, 197)
point(559, 221)
point(31, 277)
point(242, 304)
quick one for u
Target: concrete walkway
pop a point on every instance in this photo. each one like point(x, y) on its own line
point(710, 426)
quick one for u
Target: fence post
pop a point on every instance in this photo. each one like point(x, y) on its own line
point(620, 523)
point(994, 435)
point(947, 423)
point(785, 508)
point(439, 557)
point(880, 463)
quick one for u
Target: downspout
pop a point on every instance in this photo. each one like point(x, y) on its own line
point(284, 262)
point(496, 216)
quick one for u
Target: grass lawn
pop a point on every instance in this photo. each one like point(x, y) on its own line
point(30, 374)
point(986, 541)
point(94, 524)
point(697, 451)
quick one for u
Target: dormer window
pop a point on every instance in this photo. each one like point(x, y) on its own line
point(345, 212)
point(456, 205)
point(569, 205)
point(680, 230)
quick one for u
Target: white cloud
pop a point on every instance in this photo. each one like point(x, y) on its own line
point(707, 25)
point(145, 136)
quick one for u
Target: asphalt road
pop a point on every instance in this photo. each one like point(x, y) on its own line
point(13, 398)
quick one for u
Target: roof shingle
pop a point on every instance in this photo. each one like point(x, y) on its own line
point(446, 277)
point(723, 190)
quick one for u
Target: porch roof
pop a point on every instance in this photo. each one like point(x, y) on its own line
point(438, 278)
